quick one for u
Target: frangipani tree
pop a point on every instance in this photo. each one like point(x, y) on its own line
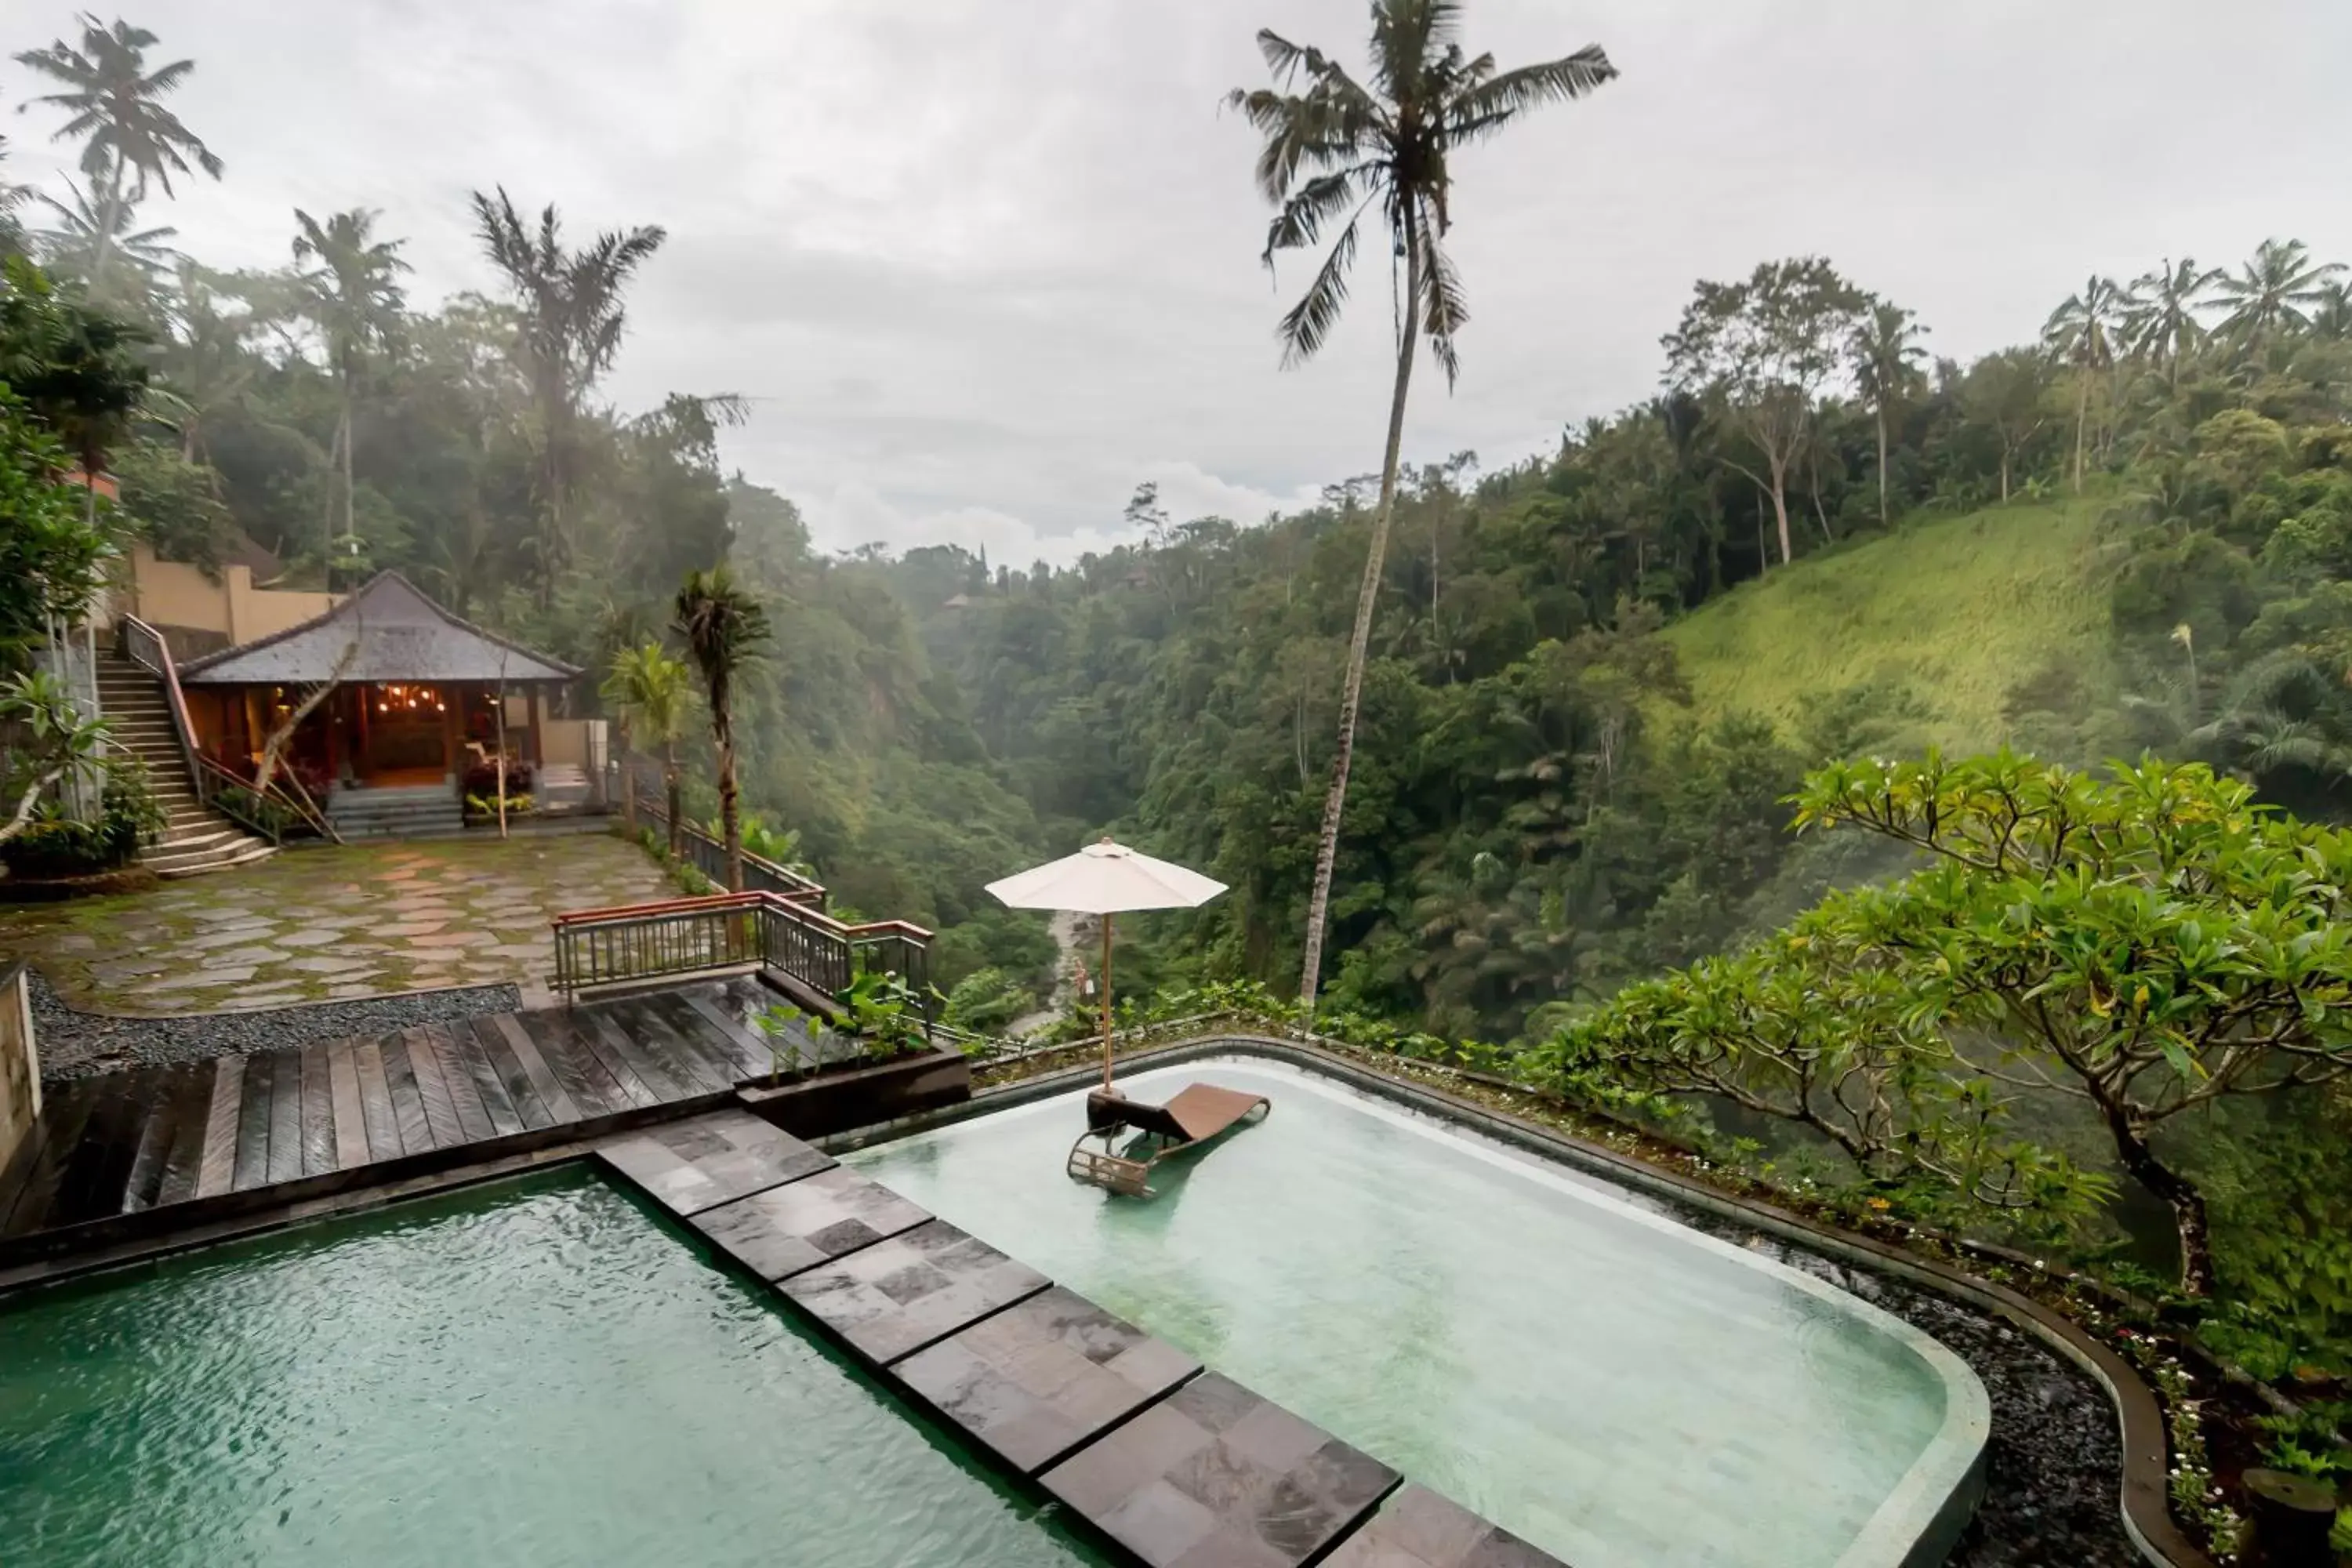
point(2143, 943)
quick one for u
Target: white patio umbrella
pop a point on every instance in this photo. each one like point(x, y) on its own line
point(1104, 879)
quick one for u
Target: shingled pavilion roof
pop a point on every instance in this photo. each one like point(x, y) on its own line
point(399, 633)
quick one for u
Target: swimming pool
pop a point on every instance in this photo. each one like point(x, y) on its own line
point(528, 1374)
point(1617, 1388)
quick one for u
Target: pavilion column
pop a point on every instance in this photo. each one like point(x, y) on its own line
point(453, 734)
point(537, 755)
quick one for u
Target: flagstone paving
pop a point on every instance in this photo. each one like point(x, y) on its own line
point(309, 925)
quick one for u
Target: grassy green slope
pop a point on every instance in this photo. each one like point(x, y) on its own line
point(1960, 612)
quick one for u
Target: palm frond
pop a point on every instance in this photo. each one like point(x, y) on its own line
point(1299, 223)
point(1442, 307)
point(1495, 103)
point(1307, 324)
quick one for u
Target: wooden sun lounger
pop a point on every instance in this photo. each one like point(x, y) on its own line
point(1198, 1113)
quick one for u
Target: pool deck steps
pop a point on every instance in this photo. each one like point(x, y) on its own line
point(1179, 1465)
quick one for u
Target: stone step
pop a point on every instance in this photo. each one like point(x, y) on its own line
point(216, 860)
point(178, 841)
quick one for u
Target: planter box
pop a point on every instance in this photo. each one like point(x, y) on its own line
point(836, 1102)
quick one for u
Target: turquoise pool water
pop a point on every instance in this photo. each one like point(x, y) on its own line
point(1618, 1388)
point(523, 1374)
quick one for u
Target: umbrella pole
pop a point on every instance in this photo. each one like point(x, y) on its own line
point(1105, 1001)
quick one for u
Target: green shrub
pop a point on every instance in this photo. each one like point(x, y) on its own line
point(53, 845)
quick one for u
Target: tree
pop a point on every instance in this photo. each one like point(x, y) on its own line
point(115, 103)
point(1762, 350)
point(651, 694)
point(2144, 943)
point(722, 627)
point(2083, 331)
point(1885, 350)
point(52, 741)
point(12, 197)
point(353, 297)
point(570, 330)
point(86, 237)
point(2004, 392)
point(2161, 323)
point(1331, 150)
point(78, 369)
point(2273, 291)
point(51, 552)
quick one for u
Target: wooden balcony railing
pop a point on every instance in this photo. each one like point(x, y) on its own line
point(633, 943)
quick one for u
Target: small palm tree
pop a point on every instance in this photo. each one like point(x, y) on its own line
point(652, 695)
point(2162, 325)
point(353, 297)
point(1885, 352)
point(722, 627)
point(115, 103)
point(2275, 290)
point(86, 237)
point(1330, 151)
point(2083, 331)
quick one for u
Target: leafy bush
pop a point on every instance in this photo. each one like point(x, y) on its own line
point(986, 1001)
point(53, 845)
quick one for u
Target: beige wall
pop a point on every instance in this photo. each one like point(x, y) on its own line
point(20, 1066)
point(567, 741)
point(171, 593)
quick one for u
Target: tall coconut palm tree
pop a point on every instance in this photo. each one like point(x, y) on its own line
point(1333, 147)
point(2162, 324)
point(86, 239)
point(1886, 351)
point(2083, 331)
point(571, 325)
point(722, 626)
point(2275, 290)
point(652, 695)
point(115, 103)
point(353, 297)
point(2331, 318)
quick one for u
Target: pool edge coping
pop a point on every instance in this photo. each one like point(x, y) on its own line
point(2143, 1502)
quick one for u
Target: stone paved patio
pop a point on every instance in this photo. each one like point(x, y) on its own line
point(311, 925)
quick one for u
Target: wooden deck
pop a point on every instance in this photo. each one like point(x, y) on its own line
point(123, 1143)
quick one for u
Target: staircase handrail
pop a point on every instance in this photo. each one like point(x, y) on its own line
point(145, 647)
point(298, 806)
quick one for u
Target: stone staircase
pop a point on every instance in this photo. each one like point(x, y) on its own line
point(398, 811)
point(194, 839)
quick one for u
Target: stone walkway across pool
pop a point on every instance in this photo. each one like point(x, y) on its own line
point(1181, 1466)
point(330, 923)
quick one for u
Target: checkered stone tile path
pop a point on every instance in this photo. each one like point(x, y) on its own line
point(1416, 1528)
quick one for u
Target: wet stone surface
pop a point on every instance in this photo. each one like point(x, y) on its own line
point(695, 1165)
point(1416, 1528)
point(898, 1296)
point(1036, 1379)
point(807, 1222)
point(1215, 1477)
point(309, 923)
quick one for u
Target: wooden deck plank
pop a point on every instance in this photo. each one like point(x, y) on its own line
point(712, 1039)
point(253, 1123)
point(440, 1112)
point(64, 1115)
point(465, 1096)
point(317, 1111)
point(561, 1107)
point(89, 1183)
point(616, 1065)
point(662, 1080)
point(407, 1102)
point(216, 1167)
point(184, 1163)
point(654, 1031)
point(521, 1093)
point(750, 1050)
point(146, 1174)
point(286, 1116)
point(375, 1103)
point(474, 1053)
point(351, 1114)
point(590, 1087)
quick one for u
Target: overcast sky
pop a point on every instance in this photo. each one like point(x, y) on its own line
point(985, 264)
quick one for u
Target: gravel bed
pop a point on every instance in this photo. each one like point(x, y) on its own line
point(75, 1044)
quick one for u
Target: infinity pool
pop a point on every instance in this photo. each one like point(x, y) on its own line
point(525, 1374)
point(1617, 1388)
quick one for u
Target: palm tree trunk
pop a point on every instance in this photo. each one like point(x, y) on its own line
point(351, 525)
point(1882, 465)
point(628, 783)
point(676, 812)
point(110, 213)
point(1780, 509)
point(730, 824)
point(2082, 417)
point(1326, 846)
